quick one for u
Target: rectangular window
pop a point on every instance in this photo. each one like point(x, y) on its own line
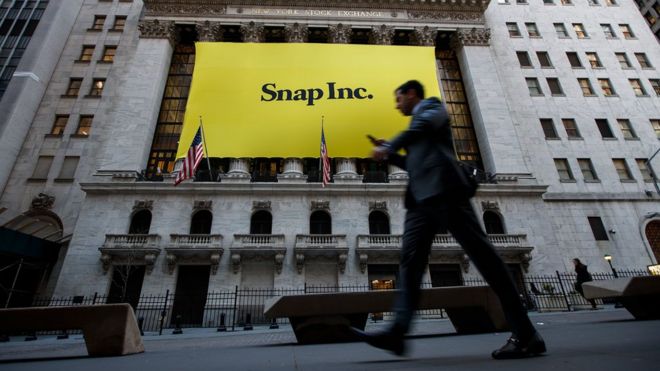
point(59, 124)
point(580, 31)
point(561, 31)
point(593, 59)
point(626, 129)
point(643, 61)
point(99, 21)
point(521, 1)
point(585, 85)
point(607, 88)
point(68, 169)
point(571, 128)
point(74, 87)
point(97, 88)
point(645, 170)
point(523, 59)
point(655, 124)
point(608, 31)
point(623, 60)
point(597, 228)
point(587, 169)
point(611, 3)
point(42, 168)
point(86, 53)
point(84, 125)
point(593, 2)
point(626, 31)
point(549, 2)
point(604, 128)
point(533, 86)
point(544, 59)
point(109, 53)
point(532, 30)
point(549, 129)
point(622, 169)
point(574, 60)
point(655, 84)
point(567, 2)
point(120, 23)
point(637, 87)
point(555, 86)
point(513, 29)
point(563, 170)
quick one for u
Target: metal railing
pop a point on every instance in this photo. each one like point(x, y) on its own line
point(233, 309)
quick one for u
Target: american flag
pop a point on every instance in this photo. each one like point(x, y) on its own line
point(325, 160)
point(192, 160)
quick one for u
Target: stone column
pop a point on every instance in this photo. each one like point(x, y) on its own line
point(137, 99)
point(296, 33)
point(253, 32)
point(425, 36)
point(209, 31)
point(397, 174)
point(382, 35)
point(339, 33)
point(345, 171)
point(293, 171)
point(493, 123)
point(239, 171)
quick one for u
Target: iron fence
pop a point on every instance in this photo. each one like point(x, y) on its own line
point(241, 307)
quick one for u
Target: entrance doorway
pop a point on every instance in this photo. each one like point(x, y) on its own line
point(192, 286)
point(126, 284)
point(653, 236)
point(445, 275)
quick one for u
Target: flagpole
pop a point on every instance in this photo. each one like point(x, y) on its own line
point(320, 156)
point(208, 162)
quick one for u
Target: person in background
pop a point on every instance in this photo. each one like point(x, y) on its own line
point(583, 276)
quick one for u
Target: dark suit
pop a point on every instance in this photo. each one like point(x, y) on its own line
point(435, 201)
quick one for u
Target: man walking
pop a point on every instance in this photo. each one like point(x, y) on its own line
point(437, 197)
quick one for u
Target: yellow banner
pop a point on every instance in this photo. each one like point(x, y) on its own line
point(268, 100)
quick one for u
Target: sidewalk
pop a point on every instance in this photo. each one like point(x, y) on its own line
point(607, 339)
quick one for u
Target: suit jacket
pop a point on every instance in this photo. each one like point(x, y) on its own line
point(430, 162)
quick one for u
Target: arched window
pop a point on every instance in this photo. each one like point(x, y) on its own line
point(653, 236)
point(493, 223)
point(201, 222)
point(261, 223)
point(320, 223)
point(140, 223)
point(379, 223)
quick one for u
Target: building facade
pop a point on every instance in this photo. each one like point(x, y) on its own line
point(558, 108)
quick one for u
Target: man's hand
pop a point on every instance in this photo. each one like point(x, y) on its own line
point(380, 152)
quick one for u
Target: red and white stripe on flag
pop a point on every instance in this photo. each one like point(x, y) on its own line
point(192, 160)
point(325, 160)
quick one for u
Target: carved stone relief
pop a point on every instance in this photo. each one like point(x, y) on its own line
point(382, 35)
point(339, 33)
point(296, 32)
point(209, 31)
point(261, 205)
point(471, 37)
point(155, 29)
point(425, 36)
point(320, 205)
point(253, 32)
point(143, 205)
point(43, 201)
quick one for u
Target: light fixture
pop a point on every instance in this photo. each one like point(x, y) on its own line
point(608, 257)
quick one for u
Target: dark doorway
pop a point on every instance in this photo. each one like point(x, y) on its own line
point(379, 223)
point(201, 222)
point(261, 223)
point(493, 223)
point(140, 222)
point(445, 275)
point(653, 236)
point(126, 284)
point(383, 276)
point(320, 223)
point(190, 297)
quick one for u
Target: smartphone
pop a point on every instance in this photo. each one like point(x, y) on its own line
point(373, 140)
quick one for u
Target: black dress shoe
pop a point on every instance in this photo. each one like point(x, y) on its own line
point(387, 340)
point(516, 348)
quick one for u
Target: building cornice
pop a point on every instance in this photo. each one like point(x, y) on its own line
point(431, 9)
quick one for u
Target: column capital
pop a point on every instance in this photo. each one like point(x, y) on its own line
point(382, 35)
point(296, 33)
point(339, 33)
point(425, 36)
point(209, 31)
point(471, 37)
point(253, 32)
point(155, 29)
